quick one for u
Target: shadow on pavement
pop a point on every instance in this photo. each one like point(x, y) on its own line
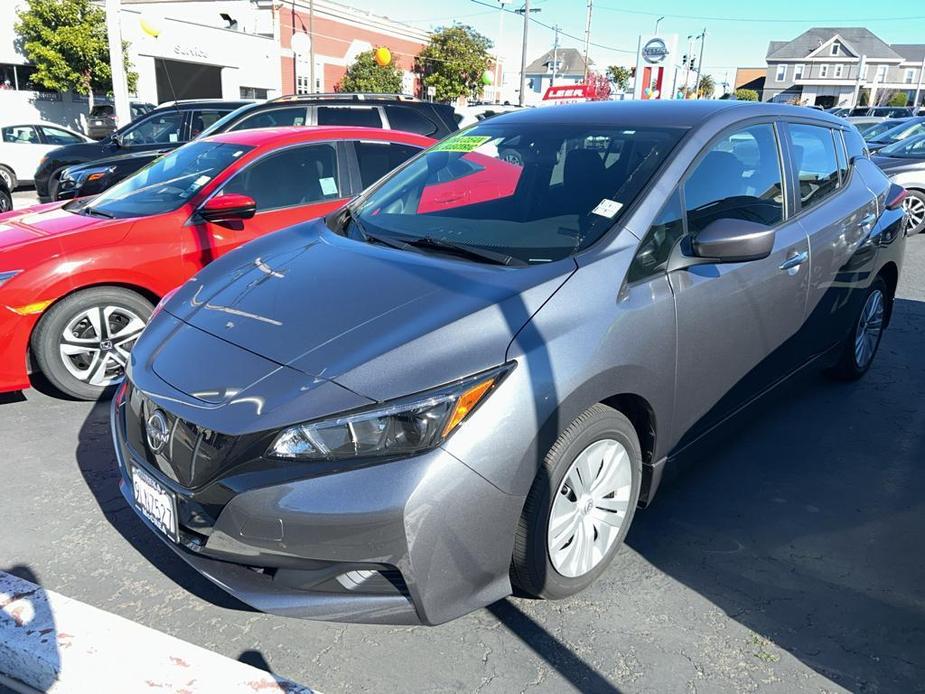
point(97, 461)
point(804, 522)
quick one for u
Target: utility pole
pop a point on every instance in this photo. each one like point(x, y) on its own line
point(311, 44)
point(555, 56)
point(525, 11)
point(587, 40)
point(116, 65)
point(703, 40)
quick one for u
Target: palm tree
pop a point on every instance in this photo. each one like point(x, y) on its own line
point(706, 87)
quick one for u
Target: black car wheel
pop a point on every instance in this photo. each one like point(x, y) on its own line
point(914, 205)
point(580, 506)
point(82, 344)
point(6, 173)
point(6, 201)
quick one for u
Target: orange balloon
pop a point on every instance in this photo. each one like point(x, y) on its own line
point(383, 56)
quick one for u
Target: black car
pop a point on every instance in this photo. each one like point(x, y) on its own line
point(6, 199)
point(907, 127)
point(102, 120)
point(390, 111)
point(882, 111)
point(166, 127)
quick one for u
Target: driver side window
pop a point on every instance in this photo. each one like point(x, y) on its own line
point(738, 178)
point(165, 128)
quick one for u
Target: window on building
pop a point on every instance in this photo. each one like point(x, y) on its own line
point(881, 73)
point(839, 70)
point(816, 162)
point(824, 70)
point(303, 78)
point(911, 76)
point(798, 71)
point(295, 176)
point(781, 73)
point(376, 159)
point(739, 178)
point(7, 77)
point(836, 47)
point(253, 93)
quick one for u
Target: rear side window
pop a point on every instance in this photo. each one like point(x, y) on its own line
point(57, 136)
point(376, 159)
point(203, 119)
point(815, 161)
point(409, 120)
point(20, 135)
point(855, 144)
point(652, 256)
point(738, 178)
point(296, 176)
point(275, 118)
point(367, 117)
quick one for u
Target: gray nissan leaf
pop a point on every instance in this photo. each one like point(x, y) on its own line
point(469, 378)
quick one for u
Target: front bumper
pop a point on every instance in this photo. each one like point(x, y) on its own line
point(15, 331)
point(416, 541)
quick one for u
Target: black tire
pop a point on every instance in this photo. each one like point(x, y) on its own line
point(916, 197)
point(6, 201)
point(48, 336)
point(847, 368)
point(6, 173)
point(532, 570)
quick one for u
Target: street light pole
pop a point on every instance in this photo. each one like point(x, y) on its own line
point(657, 22)
point(555, 56)
point(499, 71)
point(523, 52)
point(116, 65)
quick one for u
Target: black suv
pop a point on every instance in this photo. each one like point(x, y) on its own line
point(388, 111)
point(165, 128)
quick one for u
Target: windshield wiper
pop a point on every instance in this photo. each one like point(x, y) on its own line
point(97, 213)
point(464, 251)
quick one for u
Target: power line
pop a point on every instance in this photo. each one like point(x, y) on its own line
point(828, 21)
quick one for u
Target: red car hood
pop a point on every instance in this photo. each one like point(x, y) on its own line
point(44, 221)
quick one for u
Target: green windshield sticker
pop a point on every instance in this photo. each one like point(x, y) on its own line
point(462, 143)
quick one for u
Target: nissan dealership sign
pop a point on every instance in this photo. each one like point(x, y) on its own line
point(656, 67)
point(655, 51)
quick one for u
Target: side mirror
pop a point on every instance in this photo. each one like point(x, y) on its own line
point(228, 208)
point(116, 139)
point(724, 241)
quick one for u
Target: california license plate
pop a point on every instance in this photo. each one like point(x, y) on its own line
point(155, 502)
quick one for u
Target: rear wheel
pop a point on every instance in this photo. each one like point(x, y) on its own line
point(914, 205)
point(861, 345)
point(82, 344)
point(580, 506)
point(6, 173)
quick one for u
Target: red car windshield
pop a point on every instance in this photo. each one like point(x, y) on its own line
point(534, 192)
point(166, 183)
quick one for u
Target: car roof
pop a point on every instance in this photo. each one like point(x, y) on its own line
point(9, 122)
point(272, 137)
point(192, 103)
point(656, 113)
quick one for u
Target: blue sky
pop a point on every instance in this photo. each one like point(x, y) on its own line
point(738, 31)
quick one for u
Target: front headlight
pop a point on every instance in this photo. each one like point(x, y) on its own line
point(403, 427)
point(8, 275)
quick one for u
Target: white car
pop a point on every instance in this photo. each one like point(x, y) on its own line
point(22, 146)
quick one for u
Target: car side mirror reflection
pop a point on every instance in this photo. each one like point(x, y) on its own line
point(724, 241)
point(231, 207)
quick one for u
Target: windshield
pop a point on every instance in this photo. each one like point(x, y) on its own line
point(910, 148)
point(901, 132)
point(535, 192)
point(166, 183)
point(877, 129)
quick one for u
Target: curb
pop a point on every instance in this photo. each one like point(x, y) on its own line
point(51, 643)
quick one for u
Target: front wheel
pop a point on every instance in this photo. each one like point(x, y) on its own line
point(6, 201)
point(580, 506)
point(82, 344)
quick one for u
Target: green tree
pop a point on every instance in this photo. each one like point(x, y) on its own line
point(454, 61)
point(66, 42)
point(898, 99)
point(706, 86)
point(746, 95)
point(620, 76)
point(366, 75)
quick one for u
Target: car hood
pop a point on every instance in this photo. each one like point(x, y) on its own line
point(44, 221)
point(898, 164)
point(146, 156)
point(378, 321)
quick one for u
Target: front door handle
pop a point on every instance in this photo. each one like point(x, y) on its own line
point(792, 264)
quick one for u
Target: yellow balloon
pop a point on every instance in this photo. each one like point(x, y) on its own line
point(149, 28)
point(383, 56)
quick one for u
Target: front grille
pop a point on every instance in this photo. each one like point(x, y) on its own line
point(191, 456)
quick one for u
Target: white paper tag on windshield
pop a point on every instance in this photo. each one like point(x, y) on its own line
point(173, 137)
point(607, 208)
point(328, 186)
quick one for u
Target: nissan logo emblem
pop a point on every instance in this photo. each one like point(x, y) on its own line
point(156, 431)
point(655, 51)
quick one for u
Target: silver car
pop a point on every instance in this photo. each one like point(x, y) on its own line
point(470, 377)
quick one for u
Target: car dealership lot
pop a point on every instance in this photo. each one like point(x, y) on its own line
point(787, 560)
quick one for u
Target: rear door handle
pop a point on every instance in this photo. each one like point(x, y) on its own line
point(794, 262)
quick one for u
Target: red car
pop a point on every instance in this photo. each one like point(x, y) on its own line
point(79, 280)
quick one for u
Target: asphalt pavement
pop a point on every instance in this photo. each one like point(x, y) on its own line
point(787, 557)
